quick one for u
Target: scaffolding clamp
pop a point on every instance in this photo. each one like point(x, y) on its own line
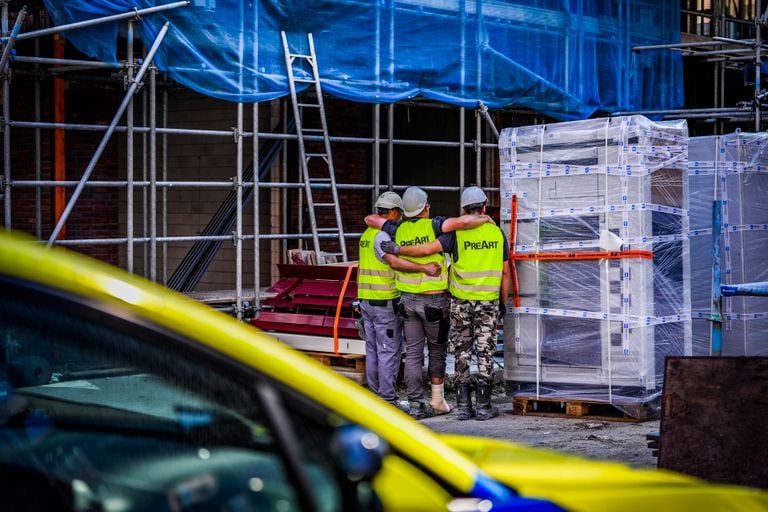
point(236, 134)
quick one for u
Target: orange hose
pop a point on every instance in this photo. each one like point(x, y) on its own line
point(338, 309)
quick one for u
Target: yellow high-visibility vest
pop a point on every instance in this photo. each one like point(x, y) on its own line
point(476, 275)
point(375, 280)
point(416, 233)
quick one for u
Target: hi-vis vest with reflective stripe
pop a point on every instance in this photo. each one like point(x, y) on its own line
point(375, 280)
point(476, 275)
point(416, 233)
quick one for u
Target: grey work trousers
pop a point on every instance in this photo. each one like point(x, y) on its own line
point(383, 347)
point(426, 319)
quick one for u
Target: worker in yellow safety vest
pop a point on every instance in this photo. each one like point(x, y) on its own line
point(424, 301)
point(479, 285)
point(378, 301)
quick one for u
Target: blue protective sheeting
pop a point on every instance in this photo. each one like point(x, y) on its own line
point(564, 58)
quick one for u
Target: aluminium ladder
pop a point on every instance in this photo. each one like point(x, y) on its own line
point(302, 68)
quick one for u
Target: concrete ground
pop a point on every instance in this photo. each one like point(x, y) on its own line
point(616, 441)
point(596, 439)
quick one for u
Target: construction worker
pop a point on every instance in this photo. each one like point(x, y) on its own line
point(423, 299)
point(378, 296)
point(479, 285)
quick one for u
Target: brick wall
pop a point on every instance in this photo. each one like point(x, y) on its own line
point(95, 213)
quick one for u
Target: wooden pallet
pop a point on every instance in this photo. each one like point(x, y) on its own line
point(351, 366)
point(579, 409)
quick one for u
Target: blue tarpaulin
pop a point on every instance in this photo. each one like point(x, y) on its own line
point(563, 58)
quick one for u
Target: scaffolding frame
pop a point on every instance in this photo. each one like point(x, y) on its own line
point(724, 52)
point(720, 50)
point(149, 185)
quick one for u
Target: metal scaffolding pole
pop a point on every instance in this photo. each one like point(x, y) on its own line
point(390, 145)
point(376, 151)
point(38, 150)
point(108, 134)
point(238, 235)
point(153, 173)
point(129, 140)
point(164, 139)
point(758, 66)
point(256, 208)
point(462, 152)
point(133, 14)
point(478, 148)
point(9, 42)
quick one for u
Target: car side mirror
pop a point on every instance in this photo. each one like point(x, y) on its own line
point(358, 452)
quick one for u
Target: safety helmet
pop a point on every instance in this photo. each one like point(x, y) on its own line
point(414, 201)
point(389, 200)
point(472, 195)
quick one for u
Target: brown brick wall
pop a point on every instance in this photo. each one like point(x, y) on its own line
point(95, 213)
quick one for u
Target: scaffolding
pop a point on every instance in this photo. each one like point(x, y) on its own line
point(154, 183)
point(714, 28)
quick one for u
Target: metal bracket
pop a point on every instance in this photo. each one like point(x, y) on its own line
point(236, 134)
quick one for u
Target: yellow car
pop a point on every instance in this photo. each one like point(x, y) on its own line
point(119, 395)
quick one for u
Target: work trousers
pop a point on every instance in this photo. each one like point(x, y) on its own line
point(426, 319)
point(383, 328)
point(474, 321)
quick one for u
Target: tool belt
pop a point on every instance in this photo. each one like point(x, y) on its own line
point(382, 303)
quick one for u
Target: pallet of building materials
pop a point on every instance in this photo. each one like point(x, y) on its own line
point(305, 301)
point(579, 409)
point(595, 212)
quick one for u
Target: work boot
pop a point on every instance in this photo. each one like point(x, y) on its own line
point(400, 404)
point(438, 403)
point(464, 402)
point(418, 409)
point(485, 409)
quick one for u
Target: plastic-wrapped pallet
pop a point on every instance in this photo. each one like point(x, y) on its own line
point(734, 169)
point(601, 256)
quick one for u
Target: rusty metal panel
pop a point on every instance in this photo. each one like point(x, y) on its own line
point(714, 419)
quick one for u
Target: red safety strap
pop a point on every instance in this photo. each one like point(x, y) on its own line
point(512, 239)
point(557, 256)
point(590, 255)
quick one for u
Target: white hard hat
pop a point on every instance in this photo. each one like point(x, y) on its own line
point(414, 201)
point(389, 200)
point(472, 195)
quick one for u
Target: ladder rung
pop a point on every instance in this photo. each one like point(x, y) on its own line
point(325, 205)
point(315, 155)
point(309, 105)
point(313, 130)
point(328, 230)
point(299, 56)
point(304, 80)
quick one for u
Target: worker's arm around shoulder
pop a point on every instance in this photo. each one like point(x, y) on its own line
point(468, 221)
point(417, 251)
point(402, 265)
